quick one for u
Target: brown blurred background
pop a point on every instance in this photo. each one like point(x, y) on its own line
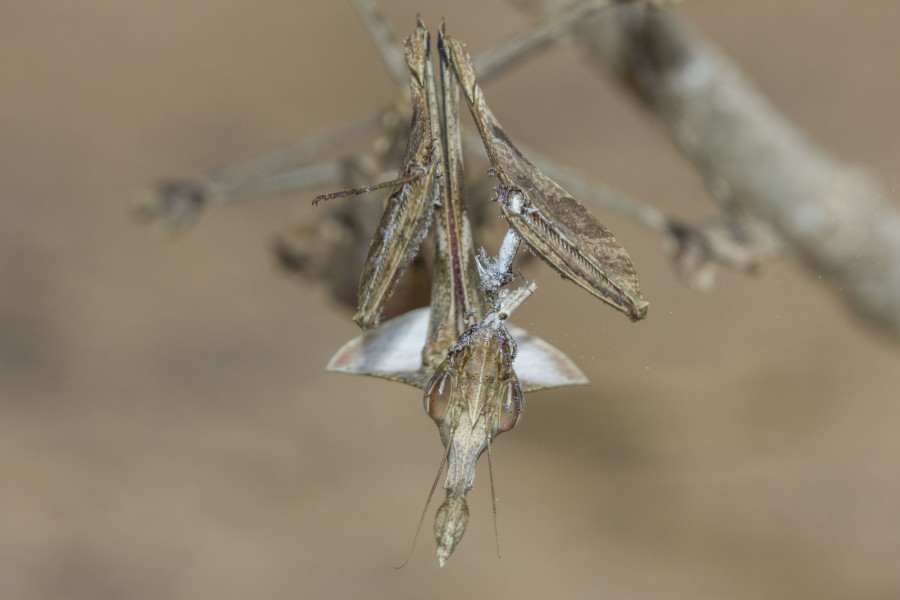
point(167, 429)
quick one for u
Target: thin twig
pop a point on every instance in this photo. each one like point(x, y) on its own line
point(506, 54)
point(299, 154)
point(387, 44)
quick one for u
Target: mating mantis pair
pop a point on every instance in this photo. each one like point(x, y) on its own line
point(468, 365)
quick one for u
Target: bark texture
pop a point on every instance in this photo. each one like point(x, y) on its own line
point(777, 186)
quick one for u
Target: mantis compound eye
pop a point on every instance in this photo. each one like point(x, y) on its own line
point(512, 405)
point(438, 393)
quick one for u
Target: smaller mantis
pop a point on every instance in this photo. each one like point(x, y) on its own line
point(473, 396)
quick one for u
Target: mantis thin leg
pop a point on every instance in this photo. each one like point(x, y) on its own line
point(437, 478)
point(494, 497)
point(366, 189)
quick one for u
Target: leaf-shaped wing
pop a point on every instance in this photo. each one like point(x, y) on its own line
point(407, 215)
point(554, 225)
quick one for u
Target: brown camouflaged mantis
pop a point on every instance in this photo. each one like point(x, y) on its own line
point(458, 296)
point(473, 366)
point(465, 358)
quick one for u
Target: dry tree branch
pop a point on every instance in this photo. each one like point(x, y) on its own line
point(757, 165)
point(176, 204)
point(773, 185)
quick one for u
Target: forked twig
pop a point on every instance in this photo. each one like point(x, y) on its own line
point(177, 204)
point(386, 42)
point(835, 217)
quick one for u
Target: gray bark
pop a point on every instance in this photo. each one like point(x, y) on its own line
point(760, 168)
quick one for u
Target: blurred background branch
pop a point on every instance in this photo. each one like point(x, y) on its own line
point(775, 187)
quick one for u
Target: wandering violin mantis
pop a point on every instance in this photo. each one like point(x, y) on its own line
point(473, 367)
point(473, 371)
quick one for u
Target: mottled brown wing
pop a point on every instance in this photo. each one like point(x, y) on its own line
point(553, 224)
point(407, 215)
